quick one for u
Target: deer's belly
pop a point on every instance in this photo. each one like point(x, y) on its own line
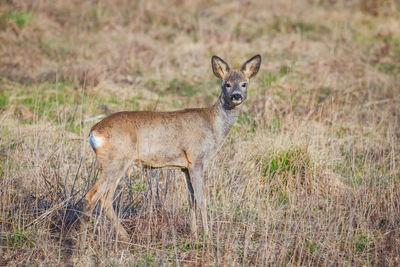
point(153, 157)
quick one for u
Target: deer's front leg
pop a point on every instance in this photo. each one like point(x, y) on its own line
point(196, 175)
point(192, 205)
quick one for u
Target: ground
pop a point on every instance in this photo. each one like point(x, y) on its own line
point(309, 175)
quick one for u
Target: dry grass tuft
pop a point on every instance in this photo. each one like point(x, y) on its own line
point(309, 175)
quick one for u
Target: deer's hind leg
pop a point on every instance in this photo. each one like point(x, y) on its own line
point(104, 190)
point(107, 204)
point(89, 203)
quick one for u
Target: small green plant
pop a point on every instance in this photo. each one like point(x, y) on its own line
point(363, 244)
point(19, 238)
point(280, 169)
point(4, 98)
point(149, 259)
point(139, 187)
point(268, 79)
point(182, 88)
point(284, 70)
point(311, 245)
point(21, 19)
point(389, 68)
point(293, 160)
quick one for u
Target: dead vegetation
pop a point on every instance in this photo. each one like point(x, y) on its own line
point(308, 176)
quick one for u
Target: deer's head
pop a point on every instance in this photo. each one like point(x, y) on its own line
point(235, 82)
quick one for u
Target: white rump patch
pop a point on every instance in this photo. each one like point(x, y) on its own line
point(95, 141)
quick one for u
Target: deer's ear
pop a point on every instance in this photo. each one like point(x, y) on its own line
point(220, 67)
point(251, 66)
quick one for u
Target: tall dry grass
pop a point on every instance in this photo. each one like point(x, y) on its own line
point(308, 176)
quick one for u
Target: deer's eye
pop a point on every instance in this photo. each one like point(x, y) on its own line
point(244, 85)
point(227, 85)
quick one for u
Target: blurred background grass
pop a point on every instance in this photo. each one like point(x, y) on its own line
point(308, 176)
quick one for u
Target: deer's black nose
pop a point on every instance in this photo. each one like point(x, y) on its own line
point(236, 97)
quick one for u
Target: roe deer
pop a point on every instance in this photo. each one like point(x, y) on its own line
point(187, 139)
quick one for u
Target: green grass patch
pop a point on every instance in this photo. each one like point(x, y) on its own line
point(359, 166)
point(4, 99)
point(254, 33)
point(21, 19)
point(55, 48)
point(47, 100)
point(284, 70)
point(311, 246)
point(18, 239)
point(177, 104)
point(275, 124)
point(181, 88)
point(363, 244)
point(389, 68)
point(288, 25)
point(139, 187)
point(395, 43)
point(294, 160)
point(268, 79)
point(59, 103)
point(280, 169)
point(246, 118)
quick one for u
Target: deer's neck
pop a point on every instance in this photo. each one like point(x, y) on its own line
point(226, 116)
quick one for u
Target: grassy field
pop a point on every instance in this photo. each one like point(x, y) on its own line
point(310, 174)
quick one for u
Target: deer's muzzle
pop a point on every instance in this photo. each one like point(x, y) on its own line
point(236, 98)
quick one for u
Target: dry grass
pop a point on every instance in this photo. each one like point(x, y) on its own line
point(309, 175)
